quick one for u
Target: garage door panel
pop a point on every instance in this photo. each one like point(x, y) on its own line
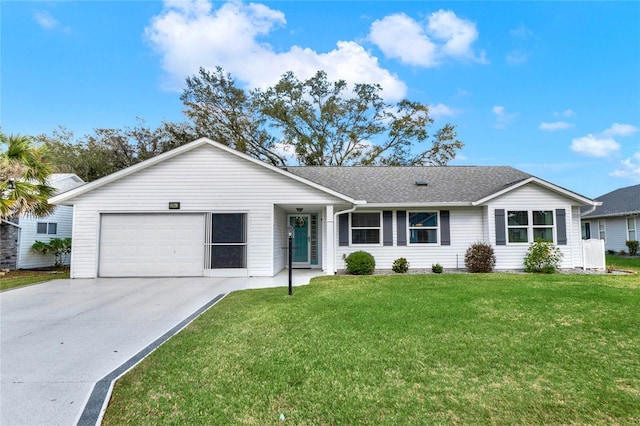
point(153, 245)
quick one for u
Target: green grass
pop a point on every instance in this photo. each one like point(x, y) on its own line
point(16, 279)
point(626, 263)
point(401, 350)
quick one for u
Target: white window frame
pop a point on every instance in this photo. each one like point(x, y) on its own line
point(634, 229)
point(209, 244)
point(379, 228)
point(530, 227)
point(437, 227)
point(48, 226)
point(602, 230)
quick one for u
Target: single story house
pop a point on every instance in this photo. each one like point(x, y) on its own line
point(615, 221)
point(204, 209)
point(18, 234)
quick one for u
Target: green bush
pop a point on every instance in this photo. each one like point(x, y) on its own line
point(542, 256)
point(360, 263)
point(632, 245)
point(400, 265)
point(437, 268)
point(60, 247)
point(480, 258)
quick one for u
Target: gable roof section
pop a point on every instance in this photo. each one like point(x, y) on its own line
point(66, 197)
point(621, 202)
point(448, 185)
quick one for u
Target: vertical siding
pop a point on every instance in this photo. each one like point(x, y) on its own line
point(27, 258)
point(533, 197)
point(205, 179)
point(466, 228)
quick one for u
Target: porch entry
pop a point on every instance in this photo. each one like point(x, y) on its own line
point(305, 240)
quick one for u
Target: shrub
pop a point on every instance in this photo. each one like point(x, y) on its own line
point(360, 263)
point(60, 247)
point(542, 256)
point(480, 258)
point(622, 253)
point(437, 268)
point(632, 245)
point(400, 265)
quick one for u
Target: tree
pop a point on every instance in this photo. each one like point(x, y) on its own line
point(24, 171)
point(321, 122)
point(106, 151)
point(225, 113)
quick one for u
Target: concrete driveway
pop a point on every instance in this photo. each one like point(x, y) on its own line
point(58, 339)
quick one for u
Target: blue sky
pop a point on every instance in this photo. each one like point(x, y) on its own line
point(551, 88)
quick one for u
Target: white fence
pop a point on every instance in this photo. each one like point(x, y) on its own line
point(593, 254)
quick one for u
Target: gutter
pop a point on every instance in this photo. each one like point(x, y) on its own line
point(10, 223)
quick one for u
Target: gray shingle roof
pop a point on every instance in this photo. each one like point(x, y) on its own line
point(621, 202)
point(450, 184)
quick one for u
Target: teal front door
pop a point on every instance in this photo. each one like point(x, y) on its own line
point(300, 224)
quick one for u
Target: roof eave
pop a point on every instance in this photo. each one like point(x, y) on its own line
point(64, 199)
point(420, 204)
point(555, 188)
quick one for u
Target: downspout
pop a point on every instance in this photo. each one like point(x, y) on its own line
point(336, 241)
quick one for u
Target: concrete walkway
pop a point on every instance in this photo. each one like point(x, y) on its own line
point(58, 339)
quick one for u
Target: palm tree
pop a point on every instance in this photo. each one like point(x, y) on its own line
point(23, 178)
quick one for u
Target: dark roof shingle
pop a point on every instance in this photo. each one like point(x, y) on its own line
point(622, 201)
point(450, 184)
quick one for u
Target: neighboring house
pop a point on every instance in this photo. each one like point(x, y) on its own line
point(616, 221)
point(19, 234)
point(204, 209)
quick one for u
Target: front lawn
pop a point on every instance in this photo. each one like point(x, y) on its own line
point(624, 262)
point(399, 350)
point(21, 278)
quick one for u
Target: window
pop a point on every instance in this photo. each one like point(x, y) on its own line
point(601, 230)
point(228, 246)
point(586, 230)
point(423, 228)
point(365, 228)
point(631, 228)
point(523, 225)
point(543, 225)
point(518, 226)
point(47, 228)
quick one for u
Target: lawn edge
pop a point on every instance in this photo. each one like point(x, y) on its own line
point(95, 405)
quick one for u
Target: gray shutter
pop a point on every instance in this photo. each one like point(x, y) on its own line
point(561, 227)
point(343, 230)
point(387, 228)
point(401, 217)
point(501, 235)
point(445, 232)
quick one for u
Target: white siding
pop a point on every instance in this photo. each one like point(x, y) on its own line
point(205, 179)
point(576, 237)
point(534, 197)
point(466, 228)
point(616, 233)
point(28, 258)
point(279, 239)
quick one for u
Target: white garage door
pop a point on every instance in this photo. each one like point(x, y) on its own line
point(151, 245)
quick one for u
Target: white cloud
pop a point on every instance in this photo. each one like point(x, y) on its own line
point(192, 34)
point(48, 22)
point(441, 110)
point(566, 113)
point(630, 168)
point(594, 146)
point(401, 37)
point(558, 125)
point(444, 36)
point(503, 118)
point(618, 129)
point(522, 32)
point(517, 57)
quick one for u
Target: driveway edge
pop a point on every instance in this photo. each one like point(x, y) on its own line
point(96, 404)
